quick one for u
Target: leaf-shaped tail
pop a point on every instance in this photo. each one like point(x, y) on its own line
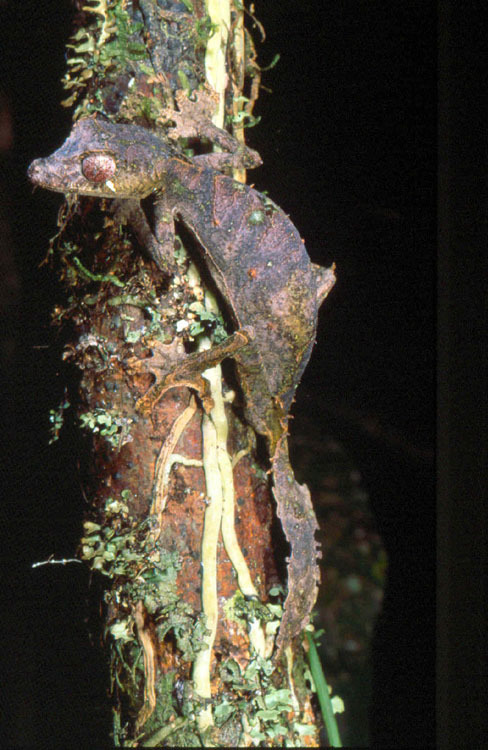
point(296, 513)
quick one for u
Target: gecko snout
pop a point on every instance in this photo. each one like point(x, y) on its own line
point(34, 170)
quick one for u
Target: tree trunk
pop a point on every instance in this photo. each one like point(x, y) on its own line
point(181, 519)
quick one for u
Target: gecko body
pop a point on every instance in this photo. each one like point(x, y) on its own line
point(262, 270)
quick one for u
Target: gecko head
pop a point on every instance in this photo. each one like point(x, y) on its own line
point(104, 159)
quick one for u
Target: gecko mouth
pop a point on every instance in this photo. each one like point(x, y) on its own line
point(38, 175)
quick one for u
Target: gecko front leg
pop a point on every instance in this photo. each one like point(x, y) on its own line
point(193, 119)
point(159, 247)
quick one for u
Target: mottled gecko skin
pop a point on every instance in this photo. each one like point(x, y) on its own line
point(259, 264)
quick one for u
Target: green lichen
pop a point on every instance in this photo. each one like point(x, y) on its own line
point(114, 427)
point(243, 611)
point(206, 322)
point(56, 418)
point(124, 550)
point(256, 217)
point(263, 707)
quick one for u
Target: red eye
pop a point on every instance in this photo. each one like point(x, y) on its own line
point(98, 167)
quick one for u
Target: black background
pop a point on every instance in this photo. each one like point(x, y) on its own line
point(348, 139)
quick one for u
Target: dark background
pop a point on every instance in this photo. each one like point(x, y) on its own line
point(348, 139)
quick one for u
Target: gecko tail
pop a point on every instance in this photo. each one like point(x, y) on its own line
point(297, 516)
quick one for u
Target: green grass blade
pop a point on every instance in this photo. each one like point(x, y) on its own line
point(322, 693)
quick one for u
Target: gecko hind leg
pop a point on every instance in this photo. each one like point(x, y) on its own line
point(187, 371)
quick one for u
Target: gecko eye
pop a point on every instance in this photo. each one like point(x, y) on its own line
point(98, 167)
